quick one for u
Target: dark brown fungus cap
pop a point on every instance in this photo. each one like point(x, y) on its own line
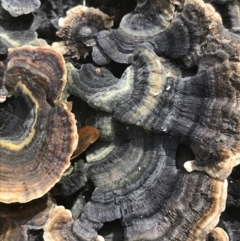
point(11, 231)
point(37, 137)
point(138, 183)
point(148, 19)
point(133, 97)
point(43, 64)
point(31, 215)
point(78, 30)
point(201, 108)
point(25, 217)
point(18, 7)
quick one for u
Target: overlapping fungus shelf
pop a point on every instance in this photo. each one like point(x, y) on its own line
point(153, 90)
point(79, 28)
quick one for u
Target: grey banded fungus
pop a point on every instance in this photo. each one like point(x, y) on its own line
point(149, 18)
point(15, 38)
point(197, 27)
point(200, 109)
point(79, 29)
point(72, 180)
point(192, 27)
point(20, 7)
point(38, 132)
point(163, 116)
point(138, 183)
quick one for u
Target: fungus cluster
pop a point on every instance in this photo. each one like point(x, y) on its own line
point(120, 126)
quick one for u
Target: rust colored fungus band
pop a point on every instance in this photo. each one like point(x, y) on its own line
point(138, 183)
point(86, 136)
point(78, 30)
point(37, 137)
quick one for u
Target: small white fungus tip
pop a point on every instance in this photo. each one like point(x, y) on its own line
point(100, 238)
point(189, 166)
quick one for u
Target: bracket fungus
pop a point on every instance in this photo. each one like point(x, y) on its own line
point(148, 194)
point(38, 132)
point(18, 7)
point(78, 30)
point(200, 109)
point(167, 121)
point(149, 18)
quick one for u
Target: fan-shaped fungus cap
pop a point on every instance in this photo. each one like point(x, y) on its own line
point(78, 30)
point(37, 137)
point(149, 94)
point(148, 19)
point(18, 7)
point(138, 183)
point(188, 31)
